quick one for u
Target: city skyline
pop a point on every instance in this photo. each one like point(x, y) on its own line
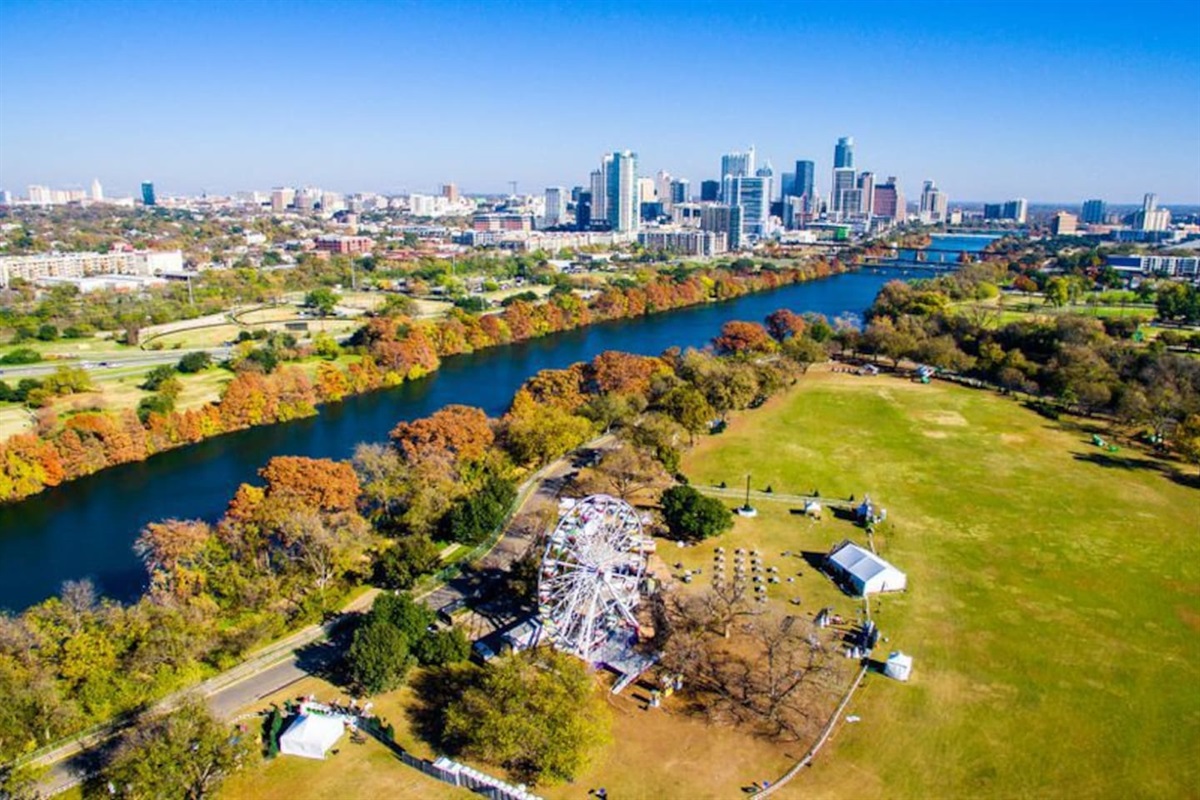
point(987, 103)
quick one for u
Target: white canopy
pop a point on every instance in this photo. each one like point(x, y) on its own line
point(866, 572)
point(898, 666)
point(310, 736)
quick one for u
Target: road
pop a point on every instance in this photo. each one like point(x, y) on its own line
point(283, 663)
point(148, 358)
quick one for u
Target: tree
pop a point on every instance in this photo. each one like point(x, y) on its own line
point(689, 408)
point(439, 648)
point(322, 299)
point(378, 657)
point(319, 483)
point(194, 362)
point(691, 515)
point(743, 338)
point(402, 564)
point(1058, 291)
point(1187, 438)
point(784, 324)
point(183, 753)
point(157, 376)
point(536, 713)
point(628, 471)
point(536, 434)
point(462, 432)
point(805, 352)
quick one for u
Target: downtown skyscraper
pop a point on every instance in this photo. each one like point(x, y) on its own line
point(622, 207)
point(843, 193)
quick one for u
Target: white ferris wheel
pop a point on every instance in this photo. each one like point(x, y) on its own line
point(591, 571)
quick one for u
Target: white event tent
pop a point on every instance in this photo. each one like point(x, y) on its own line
point(898, 666)
point(864, 571)
point(310, 736)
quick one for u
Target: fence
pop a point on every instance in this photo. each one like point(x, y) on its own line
point(461, 775)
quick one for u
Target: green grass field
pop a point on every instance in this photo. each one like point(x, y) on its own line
point(1054, 592)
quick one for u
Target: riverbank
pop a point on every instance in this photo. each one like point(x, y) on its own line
point(85, 528)
point(396, 350)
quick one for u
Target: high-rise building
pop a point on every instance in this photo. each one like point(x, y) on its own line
point(281, 198)
point(1017, 210)
point(556, 206)
point(787, 185)
point(843, 153)
point(148, 197)
point(40, 195)
point(889, 201)
point(806, 172)
point(662, 188)
point(1094, 212)
point(933, 204)
point(710, 191)
point(1151, 217)
point(1063, 224)
point(97, 193)
point(723, 219)
point(647, 189)
point(680, 190)
point(866, 193)
point(6, 198)
point(753, 196)
point(735, 165)
point(305, 199)
point(450, 192)
point(621, 202)
point(600, 191)
point(843, 182)
point(583, 211)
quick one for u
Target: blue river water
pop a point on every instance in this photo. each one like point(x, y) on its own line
point(86, 528)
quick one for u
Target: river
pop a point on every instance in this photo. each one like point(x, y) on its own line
point(944, 248)
point(86, 528)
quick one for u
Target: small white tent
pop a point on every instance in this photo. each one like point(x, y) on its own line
point(898, 666)
point(310, 736)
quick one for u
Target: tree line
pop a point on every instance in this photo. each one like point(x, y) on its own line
point(393, 348)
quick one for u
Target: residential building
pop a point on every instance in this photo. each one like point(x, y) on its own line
point(82, 265)
point(97, 193)
point(502, 221)
point(599, 180)
point(1011, 211)
point(6, 197)
point(1094, 212)
point(1187, 267)
point(306, 199)
point(148, 198)
point(647, 190)
point(40, 195)
point(345, 244)
point(687, 242)
point(556, 206)
point(621, 202)
point(1063, 224)
point(687, 215)
point(662, 188)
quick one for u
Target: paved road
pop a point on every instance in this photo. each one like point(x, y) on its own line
point(102, 364)
point(295, 657)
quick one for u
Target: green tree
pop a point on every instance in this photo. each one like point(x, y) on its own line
point(379, 656)
point(689, 408)
point(691, 515)
point(1058, 291)
point(184, 753)
point(194, 362)
point(402, 564)
point(438, 648)
point(537, 714)
point(47, 332)
point(155, 377)
point(322, 299)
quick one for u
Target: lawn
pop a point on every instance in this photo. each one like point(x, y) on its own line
point(1054, 592)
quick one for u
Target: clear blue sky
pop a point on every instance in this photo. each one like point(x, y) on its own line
point(1048, 100)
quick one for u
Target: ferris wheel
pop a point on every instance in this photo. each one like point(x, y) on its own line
point(591, 571)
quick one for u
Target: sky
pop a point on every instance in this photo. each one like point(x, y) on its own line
point(1050, 100)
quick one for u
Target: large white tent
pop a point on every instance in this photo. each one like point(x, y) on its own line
point(864, 571)
point(898, 666)
point(311, 735)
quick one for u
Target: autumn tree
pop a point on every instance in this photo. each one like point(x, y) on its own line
point(536, 434)
point(785, 324)
point(174, 554)
point(319, 483)
point(743, 338)
point(463, 432)
point(627, 472)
